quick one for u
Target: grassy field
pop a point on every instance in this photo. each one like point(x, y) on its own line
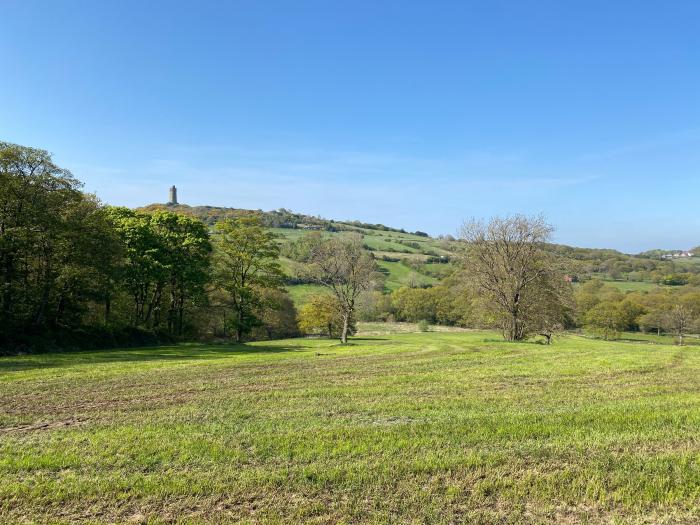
point(382, 243)
point(437, 427)
point(301, 293)
point(398, 275)
point(633, 286)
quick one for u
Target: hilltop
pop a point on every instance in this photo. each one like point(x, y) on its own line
point(415, 259)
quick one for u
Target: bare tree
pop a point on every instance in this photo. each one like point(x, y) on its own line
point(678, 321)
point(507, 262)
point(343, 266)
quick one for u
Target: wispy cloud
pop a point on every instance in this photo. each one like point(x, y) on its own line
point(314, 178)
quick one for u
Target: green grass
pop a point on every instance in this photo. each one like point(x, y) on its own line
point(633, 286)
point(381, 243)
point(395, 428)
point(398, 275)
point(301, 293)
point(663, 339)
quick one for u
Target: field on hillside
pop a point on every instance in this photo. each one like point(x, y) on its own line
point(633, 286)
point(397, 427)
point(397, 246)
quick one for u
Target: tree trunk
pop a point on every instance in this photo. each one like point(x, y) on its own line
point(45, 293)
point(108, 307)
point(8, 277)
point(239, 331)
point(346, 323)
point(154, 307)
point(181, 315)
point(512, 333)
point(172, 307)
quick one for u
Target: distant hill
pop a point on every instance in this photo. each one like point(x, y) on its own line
point(415, 259)
point(280, 218)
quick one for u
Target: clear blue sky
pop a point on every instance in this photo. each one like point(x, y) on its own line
point(413, 114)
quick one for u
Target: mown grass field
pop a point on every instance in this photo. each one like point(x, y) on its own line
point(438, 427)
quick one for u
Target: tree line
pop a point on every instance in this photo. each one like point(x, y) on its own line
point(508, 278)
point(77, 273)
point(74, 272)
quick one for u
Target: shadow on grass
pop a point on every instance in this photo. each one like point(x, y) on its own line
point(184, 352)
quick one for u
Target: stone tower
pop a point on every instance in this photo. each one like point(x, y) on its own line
point(173, 195)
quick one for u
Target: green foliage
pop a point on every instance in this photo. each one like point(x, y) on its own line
point(247, 263)
point(57, 253)
point(277, 315)
point(166, 265)
point(674, 280)
point(414, 304)
point(375, 306)
point(69, 266)
point(450, 304)
point(300, 249)
point(605, 319)
point(323, 315)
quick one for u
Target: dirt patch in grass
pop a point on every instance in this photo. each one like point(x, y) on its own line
point(48, 425)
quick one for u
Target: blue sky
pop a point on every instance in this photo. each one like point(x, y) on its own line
point(413, 114)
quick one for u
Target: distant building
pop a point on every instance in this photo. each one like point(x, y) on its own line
point(677, 255)
point(173, 195)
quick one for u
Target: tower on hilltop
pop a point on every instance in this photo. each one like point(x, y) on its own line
point(173, 195)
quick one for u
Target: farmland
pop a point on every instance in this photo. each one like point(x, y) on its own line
point(423, 427)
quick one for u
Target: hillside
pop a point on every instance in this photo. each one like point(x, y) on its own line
point(414, 259)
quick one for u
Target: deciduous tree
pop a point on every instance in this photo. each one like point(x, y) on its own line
point(247, 262)
point(509, 267)
point(343, 266)
point(322, 314)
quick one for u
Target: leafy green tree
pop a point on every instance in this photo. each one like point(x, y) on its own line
point(278, 316)
point(145, 269)
point(374, 305)
point(675, 279)
point(247, 262)
point(186, 257)
point(166, 265)
point(56, 250)
point(605, 319)
point(300, 250)
point(630, 313)
point(415, 304)
point(322, 314)
point(653, 321)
